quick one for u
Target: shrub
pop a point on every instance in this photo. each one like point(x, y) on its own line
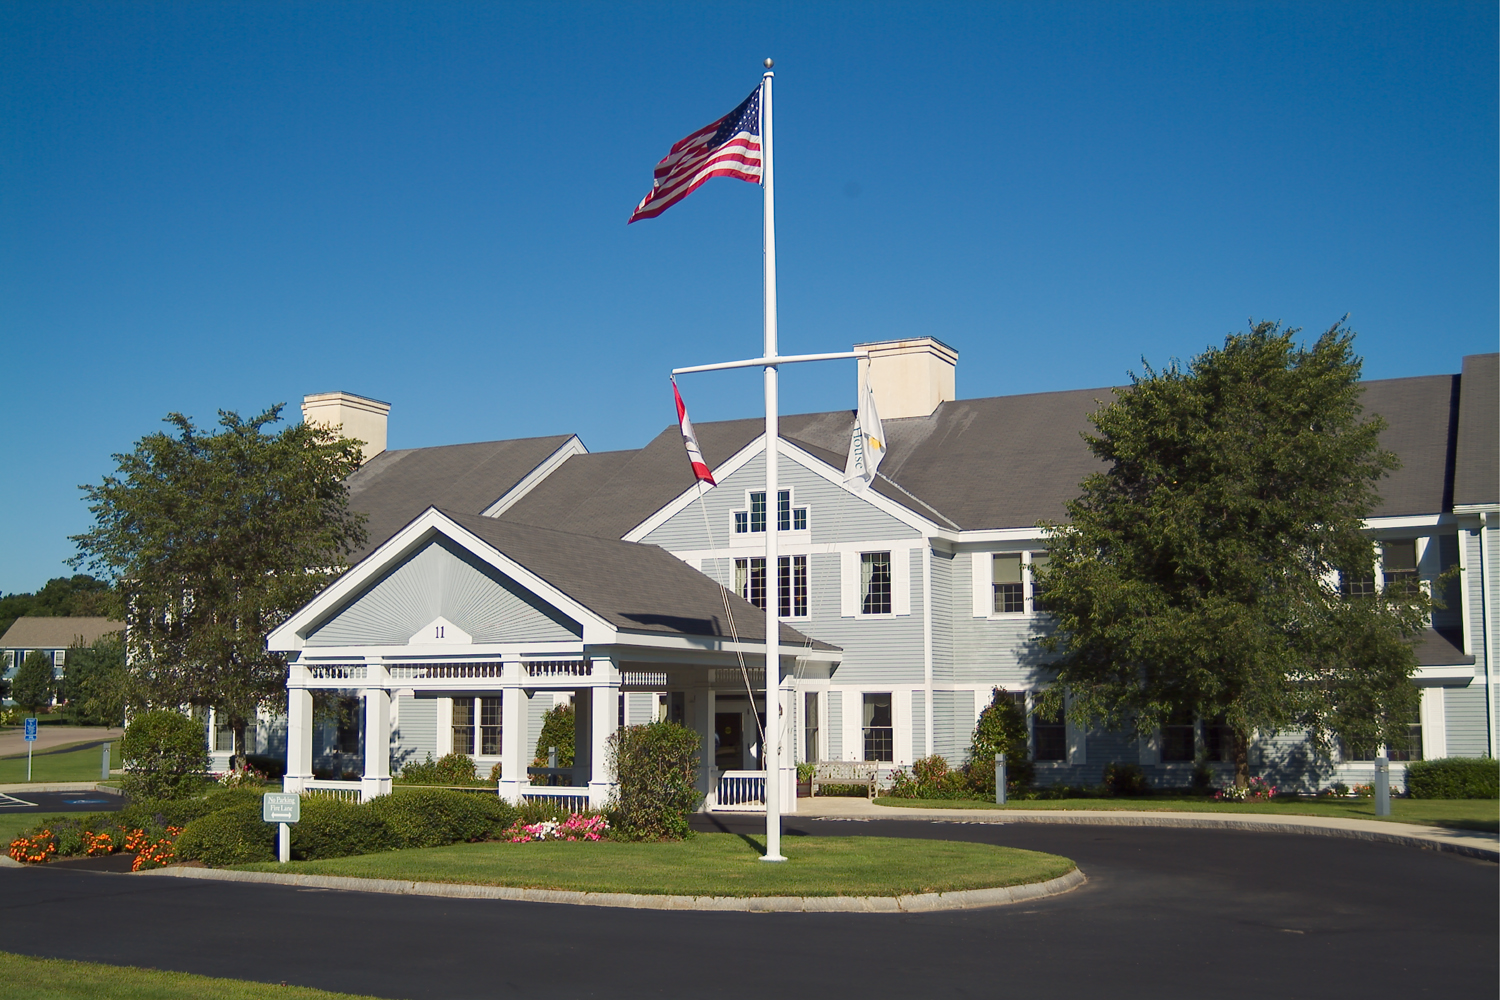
point(1454, 778)
point(931, 778)
point(655, 766)
point(1001, 729)
point(432, 817)
point(450, 769)
point(165, 756)
point(1125, 780)
point(335, 828)
point(557, 731)
point(233, 836)
point(33, 686)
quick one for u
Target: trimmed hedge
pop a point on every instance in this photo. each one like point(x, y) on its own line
point(432, 817)
point(1454, 778)
point(334, 828)
point(165, 756)
point(656, 766)
point(233, 836)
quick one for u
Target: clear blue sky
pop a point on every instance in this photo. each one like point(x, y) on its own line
point(223, 205)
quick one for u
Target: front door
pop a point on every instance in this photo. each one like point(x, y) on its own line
point(729, 741)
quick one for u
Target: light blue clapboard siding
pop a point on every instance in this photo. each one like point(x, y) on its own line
point(834, 514)
point(442, 580)
point(835, 736)
point(538, 704)
point(1473, 560)
point(918, 724)
point(1463, 709)
point(942, 616)
point(877, 651)
point(415, 733)
point(952, 725)
point(640, 708)
point(999, 652)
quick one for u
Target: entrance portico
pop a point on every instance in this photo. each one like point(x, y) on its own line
point(457, 606)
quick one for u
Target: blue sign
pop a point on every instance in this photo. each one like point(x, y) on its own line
point(30, 730)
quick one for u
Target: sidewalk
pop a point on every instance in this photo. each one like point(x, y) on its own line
point(13, 740)
point(1475, 845)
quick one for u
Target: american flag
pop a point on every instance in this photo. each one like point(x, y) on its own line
point(730, 147)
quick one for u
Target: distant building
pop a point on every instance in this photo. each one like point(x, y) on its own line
point(53, 636)
point(507, 576)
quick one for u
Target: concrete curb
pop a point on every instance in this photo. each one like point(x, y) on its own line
point(60, 786)
point(1428, 839)
point(927, 902)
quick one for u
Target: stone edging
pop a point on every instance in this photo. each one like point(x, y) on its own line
point(1178, 821)
point(927, 902)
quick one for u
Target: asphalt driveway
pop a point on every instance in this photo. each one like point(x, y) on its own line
point(1166, 913)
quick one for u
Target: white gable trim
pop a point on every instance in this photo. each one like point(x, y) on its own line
point(809, 462)
point(290, 634)
point(572, 446)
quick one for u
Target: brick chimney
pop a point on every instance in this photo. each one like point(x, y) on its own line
point(352, 416)
point(910, 377)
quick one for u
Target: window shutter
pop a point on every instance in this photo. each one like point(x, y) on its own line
point(1150, 750)
point(848, 584)
point(984, 601)
point(901, 581)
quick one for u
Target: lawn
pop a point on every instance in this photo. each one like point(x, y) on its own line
point(72, 762)
point(56, 979)
point(1459, 814)
point(710, 864)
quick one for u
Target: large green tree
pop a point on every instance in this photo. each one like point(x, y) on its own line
point(95, 683)
point(212, 540)
point(1200, 570)
point(33, 685)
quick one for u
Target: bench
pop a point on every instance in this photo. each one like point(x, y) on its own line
point(846, 772)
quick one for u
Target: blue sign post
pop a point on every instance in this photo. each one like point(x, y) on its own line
point(30, 739)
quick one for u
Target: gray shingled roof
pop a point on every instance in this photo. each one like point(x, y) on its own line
point(1435, 649)
point(396, 486)
point(635, 587)
point(40, 632)
point(1477, 477)
point(1002, 462)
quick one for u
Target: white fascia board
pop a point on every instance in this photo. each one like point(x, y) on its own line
point(572, 446)
point(812, 464)
point(1456, 676)
point(287, 636)
point(1409, 521)
point(1476, 508)
point(429, 652)
point(969, 541)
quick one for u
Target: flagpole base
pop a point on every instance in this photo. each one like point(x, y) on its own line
point(767, 857)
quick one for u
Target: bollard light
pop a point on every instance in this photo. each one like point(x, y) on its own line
point(999, 779)
point(1382, 786)
point(104, 765)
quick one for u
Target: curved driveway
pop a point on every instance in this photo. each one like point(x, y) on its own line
point(1166, 913)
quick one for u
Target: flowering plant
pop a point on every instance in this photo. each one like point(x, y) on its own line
point(96, 844)
point(576, 827)
point(1257, 790)
point(240, 777)
point(34, 850)
point(1364, 791)
point(154, 853)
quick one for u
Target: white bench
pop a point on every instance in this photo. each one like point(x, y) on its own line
point(846, 772)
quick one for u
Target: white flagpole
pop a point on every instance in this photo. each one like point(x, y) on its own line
point(770, 750)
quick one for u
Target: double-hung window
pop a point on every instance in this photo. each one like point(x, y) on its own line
point(463, 725)
point(1178, 735)
point(1010, 595)
point(791, 594)
point(476, 726)
point(1398, 567)
point(753, 519)
point(1049, 737)
point(879, 729)
point(875, 583)
point(810, 746)
point(489, 726)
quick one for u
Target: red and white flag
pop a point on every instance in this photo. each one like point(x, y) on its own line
point(690, 440)
point(730, 147)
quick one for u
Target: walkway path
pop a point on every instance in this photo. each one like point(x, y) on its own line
point(1480, 845)
point(13, 740)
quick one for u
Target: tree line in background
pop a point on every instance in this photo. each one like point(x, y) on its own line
point(78, 596)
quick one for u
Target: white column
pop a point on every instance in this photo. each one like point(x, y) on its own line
point(701, 720)
point(583, 734)
point(513, 733)
point(788, 784)
point(377, 776)
point(604, 714)
point(299, 737)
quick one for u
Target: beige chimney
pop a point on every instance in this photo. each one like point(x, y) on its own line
point(352, 416)
point(909, 377)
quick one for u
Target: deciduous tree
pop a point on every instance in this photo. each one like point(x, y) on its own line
point(33, 685)
point(1200, 570)
point(212, 540)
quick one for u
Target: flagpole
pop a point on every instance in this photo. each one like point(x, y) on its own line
point(770, 751)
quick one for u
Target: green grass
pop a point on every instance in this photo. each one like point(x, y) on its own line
point(71, 762)
point(711, 864)
point(57, 979)
point(1460, 814)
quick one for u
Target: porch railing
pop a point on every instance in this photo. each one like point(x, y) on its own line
point(347, 790)
point(741, 790)
point(577, 798)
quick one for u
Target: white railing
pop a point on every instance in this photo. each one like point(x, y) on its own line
point(347, 790)
point(726, 677)
point(578, 798)
point(741, 790)
point(337, 672)
point(648, 680)
point(445, 671)
point(558, 668)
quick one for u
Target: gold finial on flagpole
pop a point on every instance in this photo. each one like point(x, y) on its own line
point(769, 62)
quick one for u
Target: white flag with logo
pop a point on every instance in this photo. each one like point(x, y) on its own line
point(866, 442)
